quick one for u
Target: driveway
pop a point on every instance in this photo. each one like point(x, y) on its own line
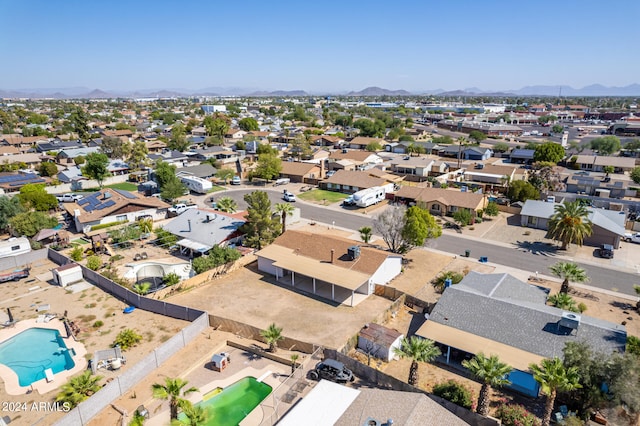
point(248, 296)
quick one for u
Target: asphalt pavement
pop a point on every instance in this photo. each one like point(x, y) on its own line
point(610, 279)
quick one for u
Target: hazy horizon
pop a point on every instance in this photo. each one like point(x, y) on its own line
point(329, 47)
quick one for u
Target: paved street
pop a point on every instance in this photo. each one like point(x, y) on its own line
point(601, 277)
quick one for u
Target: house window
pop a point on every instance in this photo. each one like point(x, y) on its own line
point(14, 248)
point(121, 217)
point(435, 207)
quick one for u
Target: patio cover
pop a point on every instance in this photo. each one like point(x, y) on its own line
point(194, 245)
point(287, 259)
point(44, 234)
point(469, 342)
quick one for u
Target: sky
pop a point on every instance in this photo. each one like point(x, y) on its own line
point(317, 46)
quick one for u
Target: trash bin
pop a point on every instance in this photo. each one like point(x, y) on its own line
point(467, 253)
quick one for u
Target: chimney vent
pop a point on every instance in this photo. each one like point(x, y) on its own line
point(333, 252)
point(189, 223)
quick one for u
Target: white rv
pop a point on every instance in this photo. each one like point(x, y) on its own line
point(196, 184)
point(368, 197)
point(14, 247)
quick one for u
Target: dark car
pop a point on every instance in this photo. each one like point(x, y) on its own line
point(333, 370)
point(606, 251)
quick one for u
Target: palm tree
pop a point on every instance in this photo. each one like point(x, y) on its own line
point(563, 301)
point(173, 390)
point(491, 372)
point(79, 388)
point(570, 224)
point(272, 335)
point(194, 415)
point(568, 271)
point(418, 350)
point(365, 234)
point(461, 141)
point(284, 209)
point(553, 376)
point(637, 289)
point(141, 288)
point(227, 205)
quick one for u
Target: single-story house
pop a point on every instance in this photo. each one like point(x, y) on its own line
point(333, 404)
point(441, 201)
point(494, 175)
point(607, 225)
point(497, 314)
point(114, 205)
point(66, 156)
point(354, 181)
point(171, 157)
point(475, 153)
point(361, 142)
point(358, 157)
point(217, 152)
point(70, 174)
point(204, 171)
point(235, 134)
point(300, 172)
point(328, 266)
point(58, 145)
point(31, 159)
point(597, 186)
point(325, 140)
point(118, 167)
point(597, 163)
point(522, 156)
point(379, 341)
point(407, 165)
point(200, 230)
point(12, 182)
point(23, 143)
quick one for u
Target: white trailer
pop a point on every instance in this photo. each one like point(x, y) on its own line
point(368, 197)
point(196, 184)
point(14, 246)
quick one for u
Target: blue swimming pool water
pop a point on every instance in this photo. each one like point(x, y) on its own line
point(33, 351)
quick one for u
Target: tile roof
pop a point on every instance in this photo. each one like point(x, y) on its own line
point(296, 168)
point(448, 197)
point(352, 154)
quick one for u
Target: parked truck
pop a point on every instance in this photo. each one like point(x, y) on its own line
point(368, 197)
point(180, 208)
point(196, 184)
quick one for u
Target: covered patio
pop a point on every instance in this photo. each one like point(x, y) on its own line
point(192, 248)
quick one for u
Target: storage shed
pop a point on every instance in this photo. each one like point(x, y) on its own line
point(379, 341)
point(220, 361)
point(67, 274)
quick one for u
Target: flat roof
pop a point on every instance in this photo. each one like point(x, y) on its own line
point(323, 406)
point(469, 342)
point(287, 258)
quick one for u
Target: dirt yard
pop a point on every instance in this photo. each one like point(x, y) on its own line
point(87, 308)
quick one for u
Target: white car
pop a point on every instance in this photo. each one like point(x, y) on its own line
point(290, 197)
point(632, 238)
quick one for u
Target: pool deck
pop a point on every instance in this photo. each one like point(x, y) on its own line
point(10, 378)
point(243, 364)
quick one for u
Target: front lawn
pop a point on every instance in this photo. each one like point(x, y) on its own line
point(125, 186)
point(322, 196)
point(216, 188)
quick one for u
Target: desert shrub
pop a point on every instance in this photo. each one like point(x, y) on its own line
point(127, 338)
point(633, 345)
point(98, 324)
point(438, 282)
point(462, 216)
point(171, 279)
point(94, 263)
point(76, 253)
point(516, 415)
point(455, 392)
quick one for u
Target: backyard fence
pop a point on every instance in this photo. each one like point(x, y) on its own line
point(85, 411)
point(20, 260)
point(391, 383)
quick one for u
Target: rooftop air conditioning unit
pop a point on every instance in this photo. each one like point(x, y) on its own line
point(570, 320)
point(353, 252)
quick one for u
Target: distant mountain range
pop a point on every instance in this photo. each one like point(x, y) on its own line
point(86, 93)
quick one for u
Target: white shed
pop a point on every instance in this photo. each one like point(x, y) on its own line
point(67, 274)
point(379, 341)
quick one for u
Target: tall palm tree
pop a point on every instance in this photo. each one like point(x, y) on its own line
point(284, 209)
point(418, 350)
point(491, 372)
point(568, 271)
point(365, 234)
point(272, 335)
point(79, 388)
point(553, 376)
point(461, 141)
point(570, 224)
point(173, 390)
point(227, 205)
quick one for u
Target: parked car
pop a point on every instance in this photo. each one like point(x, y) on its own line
point(632, 238)
point(332, 370)
point(331, 173)
point(236, 180)
point(289, 197)
point(606, 251)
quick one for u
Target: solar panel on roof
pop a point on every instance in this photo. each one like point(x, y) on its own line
point(89, 208)
point(126, 194)
point(83, 201)
point(109, 203)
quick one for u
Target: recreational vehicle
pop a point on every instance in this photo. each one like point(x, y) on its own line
point(14, 247)
point(368, 197)
point(196, 184)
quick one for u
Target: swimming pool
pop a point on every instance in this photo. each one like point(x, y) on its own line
point(33, 351)
point(234, 403)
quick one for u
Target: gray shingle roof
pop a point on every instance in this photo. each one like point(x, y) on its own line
point(204, 226)
point(502, 309)
point(612, 221)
